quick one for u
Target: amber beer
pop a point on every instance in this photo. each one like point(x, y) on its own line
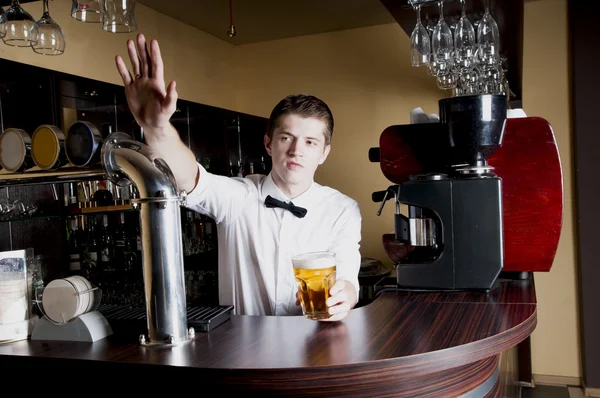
point(315, 274)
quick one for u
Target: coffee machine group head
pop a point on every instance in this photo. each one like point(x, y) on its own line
point(452, 234)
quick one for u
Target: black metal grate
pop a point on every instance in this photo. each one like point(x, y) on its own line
point(202, 319)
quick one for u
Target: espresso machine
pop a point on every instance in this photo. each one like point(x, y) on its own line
point(452, 235)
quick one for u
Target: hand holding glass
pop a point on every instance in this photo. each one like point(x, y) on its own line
point(315, 274)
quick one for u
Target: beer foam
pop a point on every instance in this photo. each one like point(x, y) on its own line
point(314, 260)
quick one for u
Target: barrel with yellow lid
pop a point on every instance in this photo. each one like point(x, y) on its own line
point(48, 147)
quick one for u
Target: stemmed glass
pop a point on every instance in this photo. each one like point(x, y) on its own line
point(488, 38)
point(118, 16)
point(443, 48)
point(2, 23)
point(50, 37)
point(87, 11)
point(488, 53)
point(420, 45)
point(19, 26)
point(464, 41)
point(465, 48)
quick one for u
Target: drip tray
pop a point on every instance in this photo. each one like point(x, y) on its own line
point(126, 319)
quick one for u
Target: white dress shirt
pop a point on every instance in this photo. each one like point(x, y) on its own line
point(256, 243)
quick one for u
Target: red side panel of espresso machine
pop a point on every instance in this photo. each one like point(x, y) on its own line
point(533, 196)
point(532, 185)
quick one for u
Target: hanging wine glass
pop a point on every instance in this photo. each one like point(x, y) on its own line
point(464, 41)
point(2, 23)
point(443, 49)
point(19, 26)
point(420, 45)
point(492, 79)
point(488, 38)
point(442, 43)
point(469, 81)
point(50, 37)
point(119, 16)
point(87, 11)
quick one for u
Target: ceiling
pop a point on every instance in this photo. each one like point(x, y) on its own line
point(264, 20)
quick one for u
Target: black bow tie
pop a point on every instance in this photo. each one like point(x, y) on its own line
point(297, 211)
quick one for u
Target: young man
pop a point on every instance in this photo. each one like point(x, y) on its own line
point(256, 241)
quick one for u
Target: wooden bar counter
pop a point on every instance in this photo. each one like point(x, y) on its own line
point(402, 344)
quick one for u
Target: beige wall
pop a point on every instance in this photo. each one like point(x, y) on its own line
point(546, 92)
point(201, 64)
point(366, 78)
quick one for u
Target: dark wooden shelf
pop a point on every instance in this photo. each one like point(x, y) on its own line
point(100, 209)
point(64, 174)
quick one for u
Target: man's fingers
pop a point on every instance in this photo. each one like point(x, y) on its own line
point(337, 287)
point(170, 101)
point(123, 71)
point(157, 63)
point(142, 54)
point(339, 297)
point(340, 308)
point(150, 72)
point(133, 57)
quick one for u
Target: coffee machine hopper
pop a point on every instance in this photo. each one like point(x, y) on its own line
point(479, 204)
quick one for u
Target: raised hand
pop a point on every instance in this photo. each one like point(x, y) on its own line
point(151, 103)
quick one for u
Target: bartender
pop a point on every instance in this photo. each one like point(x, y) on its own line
point(259, 227)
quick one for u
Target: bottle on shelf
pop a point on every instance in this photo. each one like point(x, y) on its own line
point(74, 247)
point(90, 250)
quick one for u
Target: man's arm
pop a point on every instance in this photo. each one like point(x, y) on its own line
point(152, 105)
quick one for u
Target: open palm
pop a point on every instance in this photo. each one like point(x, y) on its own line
point(151, 103)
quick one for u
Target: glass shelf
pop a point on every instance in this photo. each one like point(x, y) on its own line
point(40, 217)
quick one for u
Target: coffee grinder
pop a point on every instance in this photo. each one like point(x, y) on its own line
point(453, 233)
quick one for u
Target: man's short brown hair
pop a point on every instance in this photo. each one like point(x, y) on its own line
point(303, 105)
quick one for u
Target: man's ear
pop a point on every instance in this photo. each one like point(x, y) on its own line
point(267, 142)
point(325, 153)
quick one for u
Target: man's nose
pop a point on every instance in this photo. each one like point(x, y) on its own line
point(295, 148)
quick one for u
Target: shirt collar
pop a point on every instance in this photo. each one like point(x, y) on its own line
point(302, 200)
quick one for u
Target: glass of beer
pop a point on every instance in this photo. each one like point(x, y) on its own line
point(315, 274)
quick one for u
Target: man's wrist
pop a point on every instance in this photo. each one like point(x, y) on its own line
point(164, 135)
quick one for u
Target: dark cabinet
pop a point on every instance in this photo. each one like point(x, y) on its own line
point(80, 99)
point(26, 97)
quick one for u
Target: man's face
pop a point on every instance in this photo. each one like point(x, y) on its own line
point(297, 149)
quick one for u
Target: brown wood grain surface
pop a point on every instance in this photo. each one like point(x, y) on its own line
point(399, 345)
